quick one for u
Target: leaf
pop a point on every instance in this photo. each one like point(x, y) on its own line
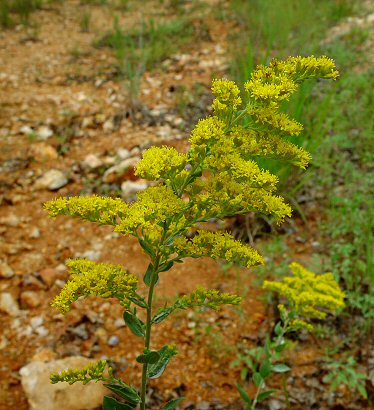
point(148, 275)
point(280, 347)
point(126, 392)
point(170, 405)
point(166, 266)
point(278, 328)
point(162, 314)
point(257, 379)
point(155, 370)
point(265, 368)
point(110, 403)
point(362, 390)
point(147, 248)
point(134, 323)
point(280, 368)
point(244, 395)
point(139, 302)
point(264, 395)
point(151, 357)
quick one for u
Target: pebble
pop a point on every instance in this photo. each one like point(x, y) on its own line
point(203, 405)
point(42, 395)
point(113, 341)
point(131, 188)
point(8, 304)
point(35, 233)
point(119, 323)
point(26, 130)
point(44, 133)
point(10, 220)
point(49, 276)
point(6, 271)
point(119, 169)
point(91, 162)
point(53, 180)
point(36, 321)
point(42, 331)
point(43, 152)
point(30, 299)
point(123, 153)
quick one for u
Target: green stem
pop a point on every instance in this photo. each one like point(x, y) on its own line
point(148, 332)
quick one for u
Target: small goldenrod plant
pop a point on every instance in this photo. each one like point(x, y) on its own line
point(308, 296)
point(217, 177)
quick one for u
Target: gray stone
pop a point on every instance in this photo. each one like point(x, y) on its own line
point(123, 153)
point(10, 220)
point(53, 180)
point(8, 304)
point(42, 395)
point(113, 341)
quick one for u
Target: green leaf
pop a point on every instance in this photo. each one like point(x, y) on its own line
point(148, 275)
point(147, 248)
point(264, 395)
point(280, 347)
point(362, 390)
point(278, 328)
point(244, 395)
point(155, 370)
point(151, 357)
point(162, 314)
point(110, 403)
point(170, 405)
point(265, 368)
point(280, 368)
point(166, 266)
point(134, 323)
point(257, 379)
point(126, 392)
point(139, 302)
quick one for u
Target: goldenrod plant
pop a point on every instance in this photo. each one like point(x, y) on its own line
point(217, 177)
point(308, 296)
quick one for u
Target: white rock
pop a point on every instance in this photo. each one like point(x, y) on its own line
point(108, 125)
point(8, 304)
point(27, 130)
point(42, 331)
point(53, 179)
point(35, 233)
point(44, 133)
point(92, 161)
point(36, 321)
point(42, 395)
point(10, 220)
point(123, 153)
point(5, 270)
point(120, 168)
point(131, 188)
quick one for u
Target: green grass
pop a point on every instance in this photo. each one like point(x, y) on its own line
point(17, 9)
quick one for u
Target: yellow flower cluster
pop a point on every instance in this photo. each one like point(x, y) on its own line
point(217, 245)
point(269, 116)
point(266, 85)
point(253, 143)
point(227, 95)
point(95, 279)
point(88, 373)
point(221, 196)
point(153, 208)
point(207, 131)
point(157, 163)
point(308, 293)
point(94, 208)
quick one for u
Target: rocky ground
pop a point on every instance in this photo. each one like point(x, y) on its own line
point(66, 128)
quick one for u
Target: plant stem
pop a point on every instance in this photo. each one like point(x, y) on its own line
point(148, 329)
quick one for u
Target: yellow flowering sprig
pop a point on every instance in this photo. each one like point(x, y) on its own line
point(96, 279)
point(104, 210)
point(88, 373)
point(200, 297)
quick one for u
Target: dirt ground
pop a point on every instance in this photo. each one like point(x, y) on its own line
point(57, 109)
